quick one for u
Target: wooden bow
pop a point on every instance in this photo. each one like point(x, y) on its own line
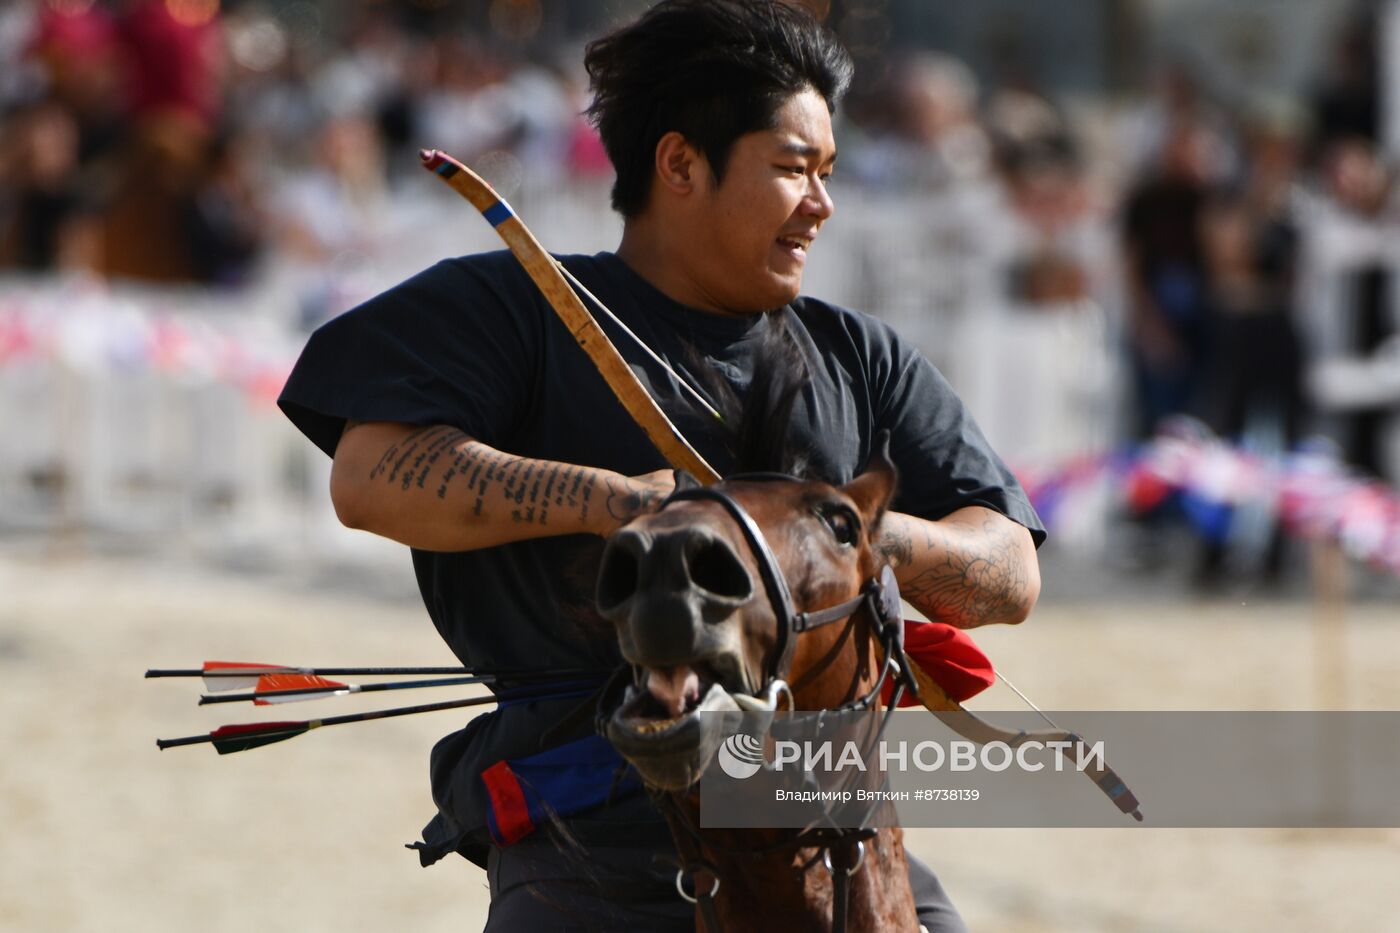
point(546, 273)
point(543, 270)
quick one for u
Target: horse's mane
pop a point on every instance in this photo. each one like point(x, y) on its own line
point(758, 415)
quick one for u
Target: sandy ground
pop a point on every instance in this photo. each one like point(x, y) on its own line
point(101, 832)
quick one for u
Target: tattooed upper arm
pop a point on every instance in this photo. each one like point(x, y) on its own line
point(895, 545)
point(972, 568)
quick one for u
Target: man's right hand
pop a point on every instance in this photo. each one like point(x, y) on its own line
point(637, 495)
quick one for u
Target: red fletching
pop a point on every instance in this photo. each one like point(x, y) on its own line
point(247, 727)
point(239, 738)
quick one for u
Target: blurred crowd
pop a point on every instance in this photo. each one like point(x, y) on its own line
point(183, 140)
point(195, 141)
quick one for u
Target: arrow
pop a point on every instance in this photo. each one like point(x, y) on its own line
point(292, 688)
point(237, 738)
point(244, 675)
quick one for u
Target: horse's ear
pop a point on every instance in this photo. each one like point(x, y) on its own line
point(873, 489)
point(685, 481)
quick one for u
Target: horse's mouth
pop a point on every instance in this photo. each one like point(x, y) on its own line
point(664, 698)
point(660, 727)
point(672, 692)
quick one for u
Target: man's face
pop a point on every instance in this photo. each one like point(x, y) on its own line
point(750, 233)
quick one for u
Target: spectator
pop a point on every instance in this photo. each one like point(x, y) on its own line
point(1346, 104)
point(1251, 243)
point(172, 69)
point(936, 140)
point(1168, 328)
point(1362, 189)
point(1176, 99)
point(80, 66)
point(1256, 367)
point(42, 227)
point(1056, 226)
point(330, 214)
point(224, 218)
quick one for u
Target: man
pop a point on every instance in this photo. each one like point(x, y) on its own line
point(466, 423)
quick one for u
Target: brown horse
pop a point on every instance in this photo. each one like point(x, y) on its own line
point(703, 623)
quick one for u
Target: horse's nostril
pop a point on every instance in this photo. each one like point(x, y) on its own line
point(617, 579)
point(715, 569)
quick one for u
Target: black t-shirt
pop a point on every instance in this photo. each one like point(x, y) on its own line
point(472, 343)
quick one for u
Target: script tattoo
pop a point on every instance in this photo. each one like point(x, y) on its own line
point(961, 585)
point(449, 459)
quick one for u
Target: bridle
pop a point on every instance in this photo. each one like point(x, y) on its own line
point(879, 594)
point(879, 597)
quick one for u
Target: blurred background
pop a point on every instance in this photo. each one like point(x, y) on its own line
point(1152, 243)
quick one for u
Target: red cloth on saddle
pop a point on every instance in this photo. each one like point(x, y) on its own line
point(949, 656)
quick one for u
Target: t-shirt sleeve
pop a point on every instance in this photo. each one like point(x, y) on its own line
point(945, 463)
point(453, 345)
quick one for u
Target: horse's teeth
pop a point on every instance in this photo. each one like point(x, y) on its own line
point(750, 704)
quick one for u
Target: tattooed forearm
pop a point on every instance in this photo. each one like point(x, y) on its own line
point(967, 571)
point(438, 488)
point(528, 489)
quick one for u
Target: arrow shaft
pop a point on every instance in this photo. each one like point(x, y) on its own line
point(253, 671)
point(309, 692)
point(295, 728)
point(163, 744)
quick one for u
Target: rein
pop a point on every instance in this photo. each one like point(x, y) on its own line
point(879, 596)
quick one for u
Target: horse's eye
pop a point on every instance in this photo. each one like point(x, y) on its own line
point(844, 525)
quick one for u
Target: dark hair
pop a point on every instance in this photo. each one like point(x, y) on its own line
point(711, 70)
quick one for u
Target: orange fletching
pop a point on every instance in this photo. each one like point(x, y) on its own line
point(272, 683)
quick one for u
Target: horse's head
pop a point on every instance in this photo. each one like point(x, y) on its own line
point(704, 608)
